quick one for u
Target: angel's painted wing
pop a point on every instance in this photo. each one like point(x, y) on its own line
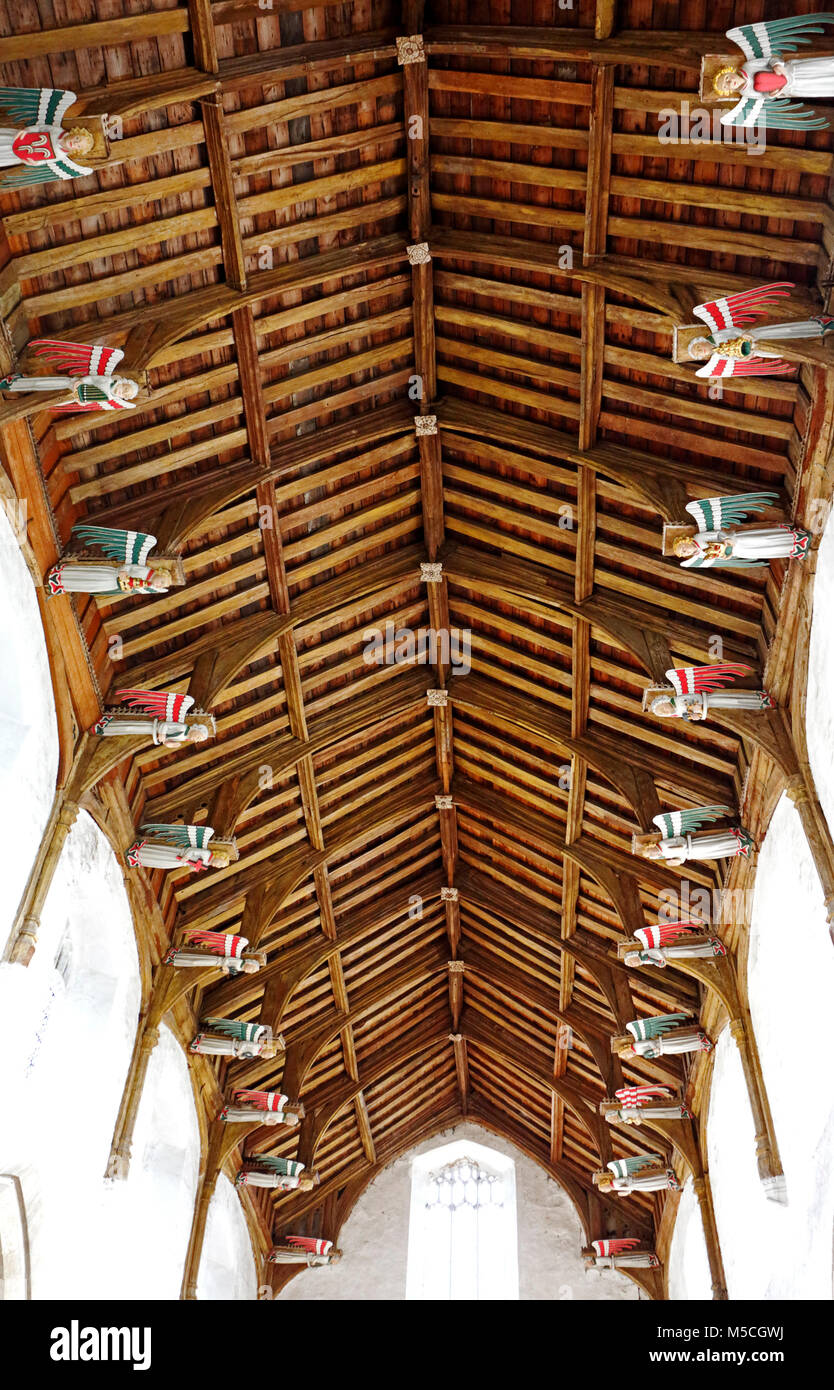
point(720, 365)
point(232, 1028)
point(315, 1245)
point(737, 310)
point(627, 1167)
point(693, 680)
point(184, 836)
point(663, 1023)
point(128, 547)
point(778, 35)
point(262, 1100)
point(672, 823)
point(773, 115)
point(25, 106)
point(78, 359)
point(60, 168)
point(712, 513)
point(157, 704)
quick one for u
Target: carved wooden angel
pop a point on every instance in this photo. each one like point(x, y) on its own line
point(261, 1107)
point(304, 1250)
point(732, 349)
point(661, 1036)
point(680, 838)
point(716, 541)
point(642, 1173)
point(632, 1105)
point(620, 1253)
point(765, 81)
point(167, 720)
point(34, 146)
point(86, 373)
point(281, 1174)
point(670, 941)
point(166, 846)
point(695, 690)
point(122, 570)
point(229, 1037)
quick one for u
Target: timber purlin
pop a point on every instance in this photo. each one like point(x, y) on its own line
point(247, 246)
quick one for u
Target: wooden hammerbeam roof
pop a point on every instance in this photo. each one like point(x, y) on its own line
point(248, 246)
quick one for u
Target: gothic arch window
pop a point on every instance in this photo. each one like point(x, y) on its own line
point(462, 1240)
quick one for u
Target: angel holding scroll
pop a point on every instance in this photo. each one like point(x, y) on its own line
point(181, 846)
point(165, 719)
point(87, 374)
point(123, 569)
point(765, 81)
point(680, 838)
point(695, 690)
point(732, 349)
point(717, 542)
point(34, 146)
point(643, 1173)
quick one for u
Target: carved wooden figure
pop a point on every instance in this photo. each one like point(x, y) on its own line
point(642, 1173)
point(632, 1105)
point(269, 1108)
point(304, 1250)
point(34, 146)
point(661, 1036)
point(229, 1037)
point(718, 541)
point(182, 846)
point(763, 85)
point(167, 720)
point(281, 1174)
point(123, 569)
point(671, 941)
point(621, 1253)
point(680, 838)
point(695, 690)
point(224, 951)
point(732, 348)
point(86, 375)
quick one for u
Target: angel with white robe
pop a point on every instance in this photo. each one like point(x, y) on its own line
point(34, 146)
point(674, 941)
point(697, 689)
point(714, 546)
point(632, 1105)
point(124, 570)
point(177, 847)
point(163, 718)
point(765, 81)
point(643, 1173)
point(262, 1107)
point(304, 1250)
point(229, 1037)
point(680, 839)
point(620, 1253)
point(728, 351)
point(215, 950)
point(87, 374)
point(281, 1174)
point(664, 1035)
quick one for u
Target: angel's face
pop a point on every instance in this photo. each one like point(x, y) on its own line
point(700, 350)
point(78, 142)
point(729, 82)
point(651, 852)
point(220, 860)
point(125, 389)
point(198, 733)
point(685, 548)
point(664, 708)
